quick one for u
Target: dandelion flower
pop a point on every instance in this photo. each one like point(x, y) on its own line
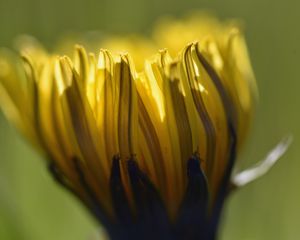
point(149, 149)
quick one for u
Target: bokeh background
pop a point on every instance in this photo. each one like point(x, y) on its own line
point(32, 207)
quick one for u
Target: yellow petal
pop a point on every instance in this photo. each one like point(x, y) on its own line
point(82, 127)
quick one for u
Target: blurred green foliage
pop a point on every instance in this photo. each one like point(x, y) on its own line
point(32, 207)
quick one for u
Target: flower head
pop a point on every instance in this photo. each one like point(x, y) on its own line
point(143, 148)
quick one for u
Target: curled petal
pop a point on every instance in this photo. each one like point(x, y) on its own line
point(261, 168)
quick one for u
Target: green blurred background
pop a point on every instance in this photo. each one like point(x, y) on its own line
point(32, 207)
